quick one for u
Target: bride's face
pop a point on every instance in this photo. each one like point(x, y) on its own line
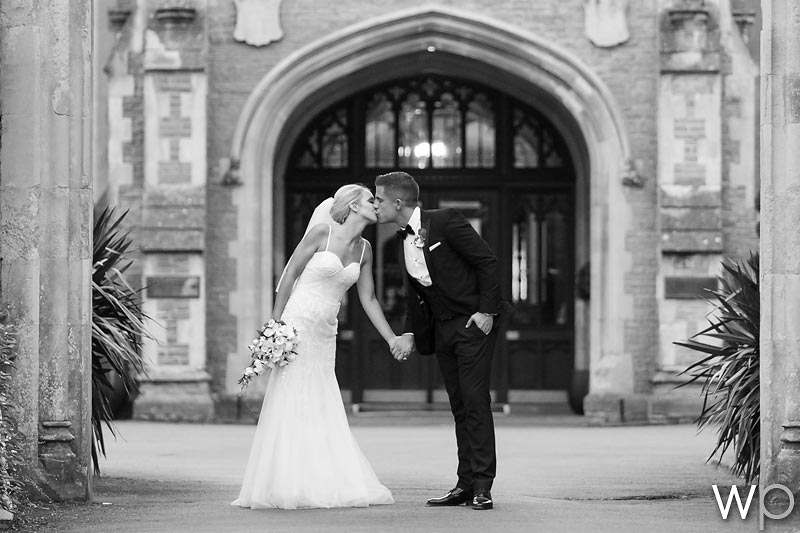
point(366, 207)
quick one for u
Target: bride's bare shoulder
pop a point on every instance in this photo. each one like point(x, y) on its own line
point(318, 234)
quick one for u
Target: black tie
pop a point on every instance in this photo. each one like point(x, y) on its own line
point(410, 230)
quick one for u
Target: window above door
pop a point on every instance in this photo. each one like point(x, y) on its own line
point(428, 123)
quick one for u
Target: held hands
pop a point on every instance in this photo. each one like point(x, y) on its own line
point(484, 322)
point(402, 346)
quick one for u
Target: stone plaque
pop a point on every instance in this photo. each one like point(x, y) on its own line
point(690, 131)
point(175, 300)
point(175, 133)
point(688, 288)
point(173, 81)
point(174, 172)
point(173, 286)
point(173, 355)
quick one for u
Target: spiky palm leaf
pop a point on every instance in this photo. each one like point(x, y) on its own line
point(729, 371)
point(117, 323)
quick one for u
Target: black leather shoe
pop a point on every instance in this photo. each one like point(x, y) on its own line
point(456, 496)
point(482, 500)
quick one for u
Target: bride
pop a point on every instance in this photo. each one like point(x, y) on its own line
point(303, 453)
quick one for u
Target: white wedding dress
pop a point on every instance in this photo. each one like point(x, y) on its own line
point(303, 453)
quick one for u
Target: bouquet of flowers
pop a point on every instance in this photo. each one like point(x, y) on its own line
point(275, 347)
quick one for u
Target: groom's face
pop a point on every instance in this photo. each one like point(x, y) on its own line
point(385, 205)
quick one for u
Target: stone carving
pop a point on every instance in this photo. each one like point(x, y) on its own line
point(258, 22)
point(631, 174)
point(690, 37)
point(605, 22)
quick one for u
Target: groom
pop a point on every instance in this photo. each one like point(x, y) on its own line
point(452, 306)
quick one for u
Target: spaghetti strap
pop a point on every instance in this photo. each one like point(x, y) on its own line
point(363, 247)
point(330, 229)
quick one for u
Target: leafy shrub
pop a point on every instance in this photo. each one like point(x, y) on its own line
point(12, 472)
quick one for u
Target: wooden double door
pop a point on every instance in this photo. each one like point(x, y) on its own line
point(531, 229)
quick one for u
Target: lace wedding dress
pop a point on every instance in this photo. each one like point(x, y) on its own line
point(303, 453)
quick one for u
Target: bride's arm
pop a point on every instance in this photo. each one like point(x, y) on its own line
point(310, 244)
point(366, 294)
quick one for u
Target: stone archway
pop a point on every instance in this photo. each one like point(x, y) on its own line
point(581, 105)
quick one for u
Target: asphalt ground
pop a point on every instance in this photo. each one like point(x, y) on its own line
point(555, 474)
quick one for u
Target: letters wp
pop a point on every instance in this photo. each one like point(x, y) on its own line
point(724, 510)
point(734, 494)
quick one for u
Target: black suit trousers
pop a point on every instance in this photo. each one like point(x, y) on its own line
point(465, 359)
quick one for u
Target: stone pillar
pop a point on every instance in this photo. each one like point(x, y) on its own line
point(780, 245)
point(689, 191)
point(173, 211)
point(46, 232)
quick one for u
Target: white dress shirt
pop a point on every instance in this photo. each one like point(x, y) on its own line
point(415, 258)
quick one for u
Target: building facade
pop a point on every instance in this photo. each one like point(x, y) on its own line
point(607, 151)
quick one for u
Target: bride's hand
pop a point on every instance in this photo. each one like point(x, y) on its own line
point(398, 348)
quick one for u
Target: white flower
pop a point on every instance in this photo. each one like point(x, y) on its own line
point(249, 372)
point(270, 328)
point(279, 341)
point(288, 346)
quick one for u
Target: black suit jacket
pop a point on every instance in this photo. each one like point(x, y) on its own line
point(463, 269)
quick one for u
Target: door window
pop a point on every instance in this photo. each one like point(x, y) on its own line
point(540, 252)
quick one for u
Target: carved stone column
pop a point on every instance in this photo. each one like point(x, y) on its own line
point(780, 245)
point(46, 232)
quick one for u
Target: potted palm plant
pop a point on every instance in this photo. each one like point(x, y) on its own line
point(729, 368)
point(117, 325)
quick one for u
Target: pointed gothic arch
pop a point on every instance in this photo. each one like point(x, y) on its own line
point(445, 40)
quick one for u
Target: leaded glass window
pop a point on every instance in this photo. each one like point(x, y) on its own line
point(325, 142)
point(414, 148)
point(480, 133)
point(539, 249)
point(434, 123)
point(430, 122)
point(380, 131)
point(535, 144)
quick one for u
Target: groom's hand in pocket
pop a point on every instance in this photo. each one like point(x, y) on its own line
point(483, 321)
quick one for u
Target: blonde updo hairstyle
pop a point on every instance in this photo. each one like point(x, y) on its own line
point(346, 196)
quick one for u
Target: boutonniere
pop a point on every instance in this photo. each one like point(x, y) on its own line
point(421, 238)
